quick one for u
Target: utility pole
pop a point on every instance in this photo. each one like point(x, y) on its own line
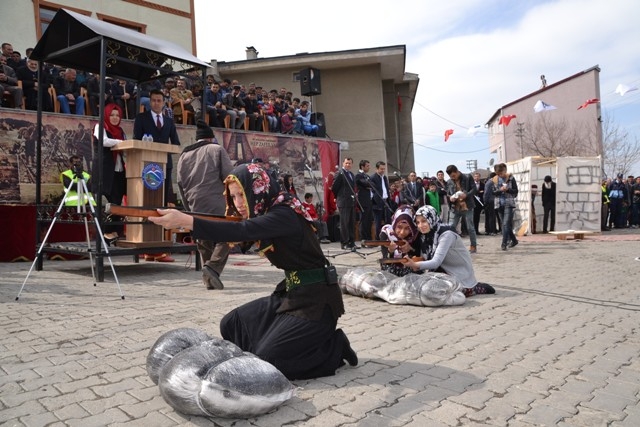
point(520, 135)
point(472, 165)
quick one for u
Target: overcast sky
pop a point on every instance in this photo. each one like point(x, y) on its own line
point(472, 56)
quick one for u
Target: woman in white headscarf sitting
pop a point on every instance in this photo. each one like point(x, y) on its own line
point(443, 250)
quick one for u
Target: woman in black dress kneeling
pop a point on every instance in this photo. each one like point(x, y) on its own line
point(295, 327)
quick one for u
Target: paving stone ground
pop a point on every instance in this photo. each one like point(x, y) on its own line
point(558, 344)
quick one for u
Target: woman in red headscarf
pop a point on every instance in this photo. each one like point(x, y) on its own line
point(114, 181)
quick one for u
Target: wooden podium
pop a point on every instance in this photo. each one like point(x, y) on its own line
point(141, 155)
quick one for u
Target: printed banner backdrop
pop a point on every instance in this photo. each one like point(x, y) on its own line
point(308, 160)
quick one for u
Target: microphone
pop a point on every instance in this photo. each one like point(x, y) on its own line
point(306, 165)
point(396, 173)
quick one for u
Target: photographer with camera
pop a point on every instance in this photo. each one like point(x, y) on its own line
point(71, 177)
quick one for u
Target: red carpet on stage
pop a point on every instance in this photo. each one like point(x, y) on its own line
point(18, 233)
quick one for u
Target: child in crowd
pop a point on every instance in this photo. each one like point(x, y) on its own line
point(433, 198)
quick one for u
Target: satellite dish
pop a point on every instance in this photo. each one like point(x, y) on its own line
point(491, 162)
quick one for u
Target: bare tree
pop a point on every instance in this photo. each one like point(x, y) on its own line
point(620, 150)
point(548, 137)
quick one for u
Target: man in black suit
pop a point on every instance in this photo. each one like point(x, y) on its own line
point(380, 186)
point(163, 130)
point(344, 189)
point(413, 192)
point(363, 184)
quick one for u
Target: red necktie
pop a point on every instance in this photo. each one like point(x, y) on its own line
point(158, 123)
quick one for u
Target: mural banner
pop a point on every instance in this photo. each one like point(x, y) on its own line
point(308, 160)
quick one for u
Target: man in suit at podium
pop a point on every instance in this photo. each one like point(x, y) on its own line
point(163, 130)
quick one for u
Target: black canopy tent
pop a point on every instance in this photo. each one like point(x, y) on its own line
point(76, 41)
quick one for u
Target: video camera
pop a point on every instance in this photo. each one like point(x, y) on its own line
point(77, 169)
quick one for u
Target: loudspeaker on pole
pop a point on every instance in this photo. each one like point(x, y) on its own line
point(310, 82)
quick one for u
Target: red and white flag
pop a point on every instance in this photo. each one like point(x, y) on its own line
point(505, 120)
point(587, 102)
point(447, 134)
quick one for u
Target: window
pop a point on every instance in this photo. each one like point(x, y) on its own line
point(135, 26)
point(295, 77)
point(45, 11)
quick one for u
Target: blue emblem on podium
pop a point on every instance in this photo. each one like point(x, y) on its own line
point(153, 176)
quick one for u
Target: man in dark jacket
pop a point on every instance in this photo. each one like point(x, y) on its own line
point(344, 189)
point(363, 185)
point(549, 204)
point(68, 92)
point(461, 190)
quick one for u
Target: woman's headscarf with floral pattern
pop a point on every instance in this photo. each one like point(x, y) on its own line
point(260, 192)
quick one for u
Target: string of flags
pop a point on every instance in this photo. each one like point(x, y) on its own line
point(541, 106)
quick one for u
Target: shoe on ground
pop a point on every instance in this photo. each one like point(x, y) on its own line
point(165, 258)
point(210, 278)
point(483, 288)
point(504, 247)
point(473, 249)
point(513, 243)
point(325, 240)
point(347, 352)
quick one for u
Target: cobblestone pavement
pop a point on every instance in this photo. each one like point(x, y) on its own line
point(558, 344)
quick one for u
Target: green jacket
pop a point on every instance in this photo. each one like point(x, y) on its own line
point(67, 177)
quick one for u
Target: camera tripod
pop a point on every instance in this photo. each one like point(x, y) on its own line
point(82, 210)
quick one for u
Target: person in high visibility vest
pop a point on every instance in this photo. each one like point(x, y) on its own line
point(71, 176)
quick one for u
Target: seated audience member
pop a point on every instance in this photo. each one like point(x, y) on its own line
point(288, 122)
point(280, 108)
point(321, 227)
point(15, 61)
point(252, 109)
point(122, 92)
point(260, 97)
point(225, 87)
point(235, 108)
point(196, 103)
point(68, 92)
point(215, 108)
point(400, 233)
point(295, 103)
point(443, 250)
point(304, 116)
point(28, 75)
point(9, 83)
point(93, 91)
point(169, 85)
point(270, 113)
point(144, 91)
point(180, 92)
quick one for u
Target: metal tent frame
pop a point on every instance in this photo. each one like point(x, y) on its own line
point(76, 41)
